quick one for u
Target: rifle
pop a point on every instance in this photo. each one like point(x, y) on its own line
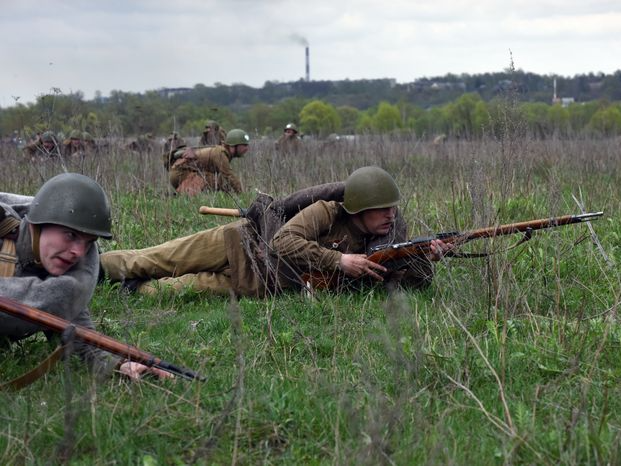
point(397, 256)
point(91, 337)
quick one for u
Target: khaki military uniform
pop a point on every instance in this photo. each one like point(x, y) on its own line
point(36, 148)
point(211, 166)
point(315, 239)
point(234, 256)
point(288, 144)
point(172, 144)
point(69, 149)
point(213, 138)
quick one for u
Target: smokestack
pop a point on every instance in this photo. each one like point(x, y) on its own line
point(307, 65)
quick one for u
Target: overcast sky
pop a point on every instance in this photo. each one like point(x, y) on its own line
point(138, 45)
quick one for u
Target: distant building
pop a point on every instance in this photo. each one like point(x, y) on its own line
point(440, 86)
point(169, 92)
point(564, 101)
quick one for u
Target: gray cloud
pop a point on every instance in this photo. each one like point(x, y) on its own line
point(146, 44)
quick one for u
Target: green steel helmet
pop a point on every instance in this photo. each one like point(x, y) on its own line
point(211, 124)
point(236, 137)
point(75, 201)
point(75, 134)
point(87, 137)
point(370, 188)
point(291, 126)
point(47, 136)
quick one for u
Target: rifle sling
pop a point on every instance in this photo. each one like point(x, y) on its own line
point(528, 234)
point(33, 375)
point(8, 256)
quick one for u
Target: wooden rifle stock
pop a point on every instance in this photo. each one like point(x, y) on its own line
point(206, 210)
point(397, 253)
point(91, 337)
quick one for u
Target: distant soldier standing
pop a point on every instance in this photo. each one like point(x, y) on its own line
point(290, 141)
point(173, 143)
point(89, 142)
point(209, 168)
point(213, 135)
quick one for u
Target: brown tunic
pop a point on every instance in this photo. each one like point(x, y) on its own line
point(212, 164)
point(235, 256)
point(212, 138)
point(288, 144)
point(315, 239)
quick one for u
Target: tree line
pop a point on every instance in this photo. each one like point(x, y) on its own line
point(460, 106)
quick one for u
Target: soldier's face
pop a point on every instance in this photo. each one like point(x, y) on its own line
point(289, 132)
point(241, 149)
point(60, 248)
point(378, 221)
point(48, 145)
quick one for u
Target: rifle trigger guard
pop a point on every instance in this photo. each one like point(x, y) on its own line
point(528, 234)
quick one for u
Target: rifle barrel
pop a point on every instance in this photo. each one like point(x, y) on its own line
point(91, 337)
point(421, 245)
point(530, 225)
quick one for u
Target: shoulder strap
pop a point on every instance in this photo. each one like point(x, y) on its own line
point(7, 225)
point(8, 257)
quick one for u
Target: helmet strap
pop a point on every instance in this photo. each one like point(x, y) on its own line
point(35, 233)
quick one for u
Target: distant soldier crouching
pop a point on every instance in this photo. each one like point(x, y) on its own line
point(193, 170)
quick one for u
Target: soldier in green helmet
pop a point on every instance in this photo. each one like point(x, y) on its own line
point(74, 144)
point(49, 259)
point(193, 170)
point(173, 143)
point(45, 145)
point(328, 229)
point(89, 143)
point(289, 141)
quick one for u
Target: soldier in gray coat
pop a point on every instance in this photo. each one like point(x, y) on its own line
point(49, 260)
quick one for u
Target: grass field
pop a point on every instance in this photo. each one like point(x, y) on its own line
point(509, 359)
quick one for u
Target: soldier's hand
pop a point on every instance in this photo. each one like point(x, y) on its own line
point(356, 265)
point(135, 370)
point(438, 249)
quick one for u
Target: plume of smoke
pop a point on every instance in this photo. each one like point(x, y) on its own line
point(297, 38)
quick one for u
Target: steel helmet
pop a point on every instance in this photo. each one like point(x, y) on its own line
point(370, 188)
point(236, 137)
point(291, 126)
point(75, 134)
point(87, 137)
point(75, 201)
